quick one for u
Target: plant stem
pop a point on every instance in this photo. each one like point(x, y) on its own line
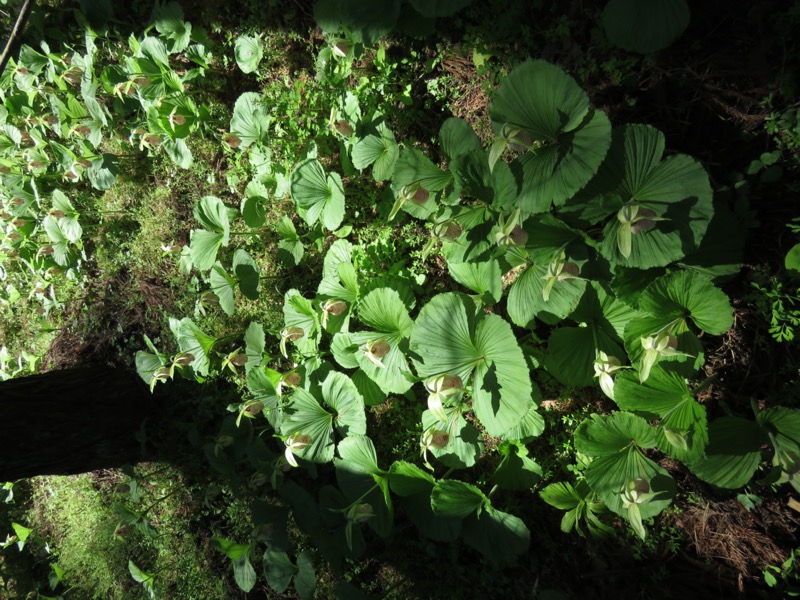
point(705, 384)
point(164, 497)
point(19, 25)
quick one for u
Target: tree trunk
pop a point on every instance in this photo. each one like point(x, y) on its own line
point(72, 421)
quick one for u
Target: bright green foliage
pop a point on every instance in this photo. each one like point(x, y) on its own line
point(657, 210)
point(249, 53)
point(305, 416)
point(452, 338)
point(250, 121)
point(577, 244)
point(629, 483)
point(541, 111)
point(318, 197)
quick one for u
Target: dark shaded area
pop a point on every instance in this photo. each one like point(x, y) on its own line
point(73, 421)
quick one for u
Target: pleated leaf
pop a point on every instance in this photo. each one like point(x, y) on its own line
point(320, 198)
point(572, 141)
point(733, 453)
point(451, 338)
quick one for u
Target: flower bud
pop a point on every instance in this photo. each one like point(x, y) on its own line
point(448, 230)
point(232, 140)
point(254, 407)
point(239, 360)
point(343, 127)
point(360, 513)
point(224, 441)
point(636, 491)
point(292, 378)
point(340, 49)
point(376, 350)
point(183, 359)
point(293, 333)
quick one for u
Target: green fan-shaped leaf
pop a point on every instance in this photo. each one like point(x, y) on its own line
point(684, 292)
point(359, 451)
point(250, 121)
point(572, 351)
point(691, 355)
point(68, 222)
point(223, 285)
point(213, 215)
point(732, 455)
point(453, 498)
point(615, 441)
point(342, 396)
point(246, 271)
point(203, 246)
point(499, 536)
point(249, 52)
point(62, 253)
point(464, 442)
point(611, 434)
point(384, 311)
point(494, 186)
point(456, 138)
point(371, 391)
point(350, 352)
point(154, 48)
point(450, 337)
point(676, 189)
point(193, 340)
point(609, 475)
point(783, 421)
point(516, 471)
point(658, 396)
point(305, 582)
point(629, 283)
point(103, 172)
point(254, 344)
point(548, 235)
point(299, 312)
point(290, 251)
point(645, 26)
point(684, 428)
point(407, 479)
point(531, 425)
point(178, 152)
point(483, 278)
point(526, 298)
point(303, 415)
point(321, 198)
point(168, 19)
point(569, 140)
point(381, 151)
point(278, 570)
point(669, 302)
point(414, 168)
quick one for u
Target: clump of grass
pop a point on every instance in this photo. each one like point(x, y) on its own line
point(71, 513)
point(81, 517)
